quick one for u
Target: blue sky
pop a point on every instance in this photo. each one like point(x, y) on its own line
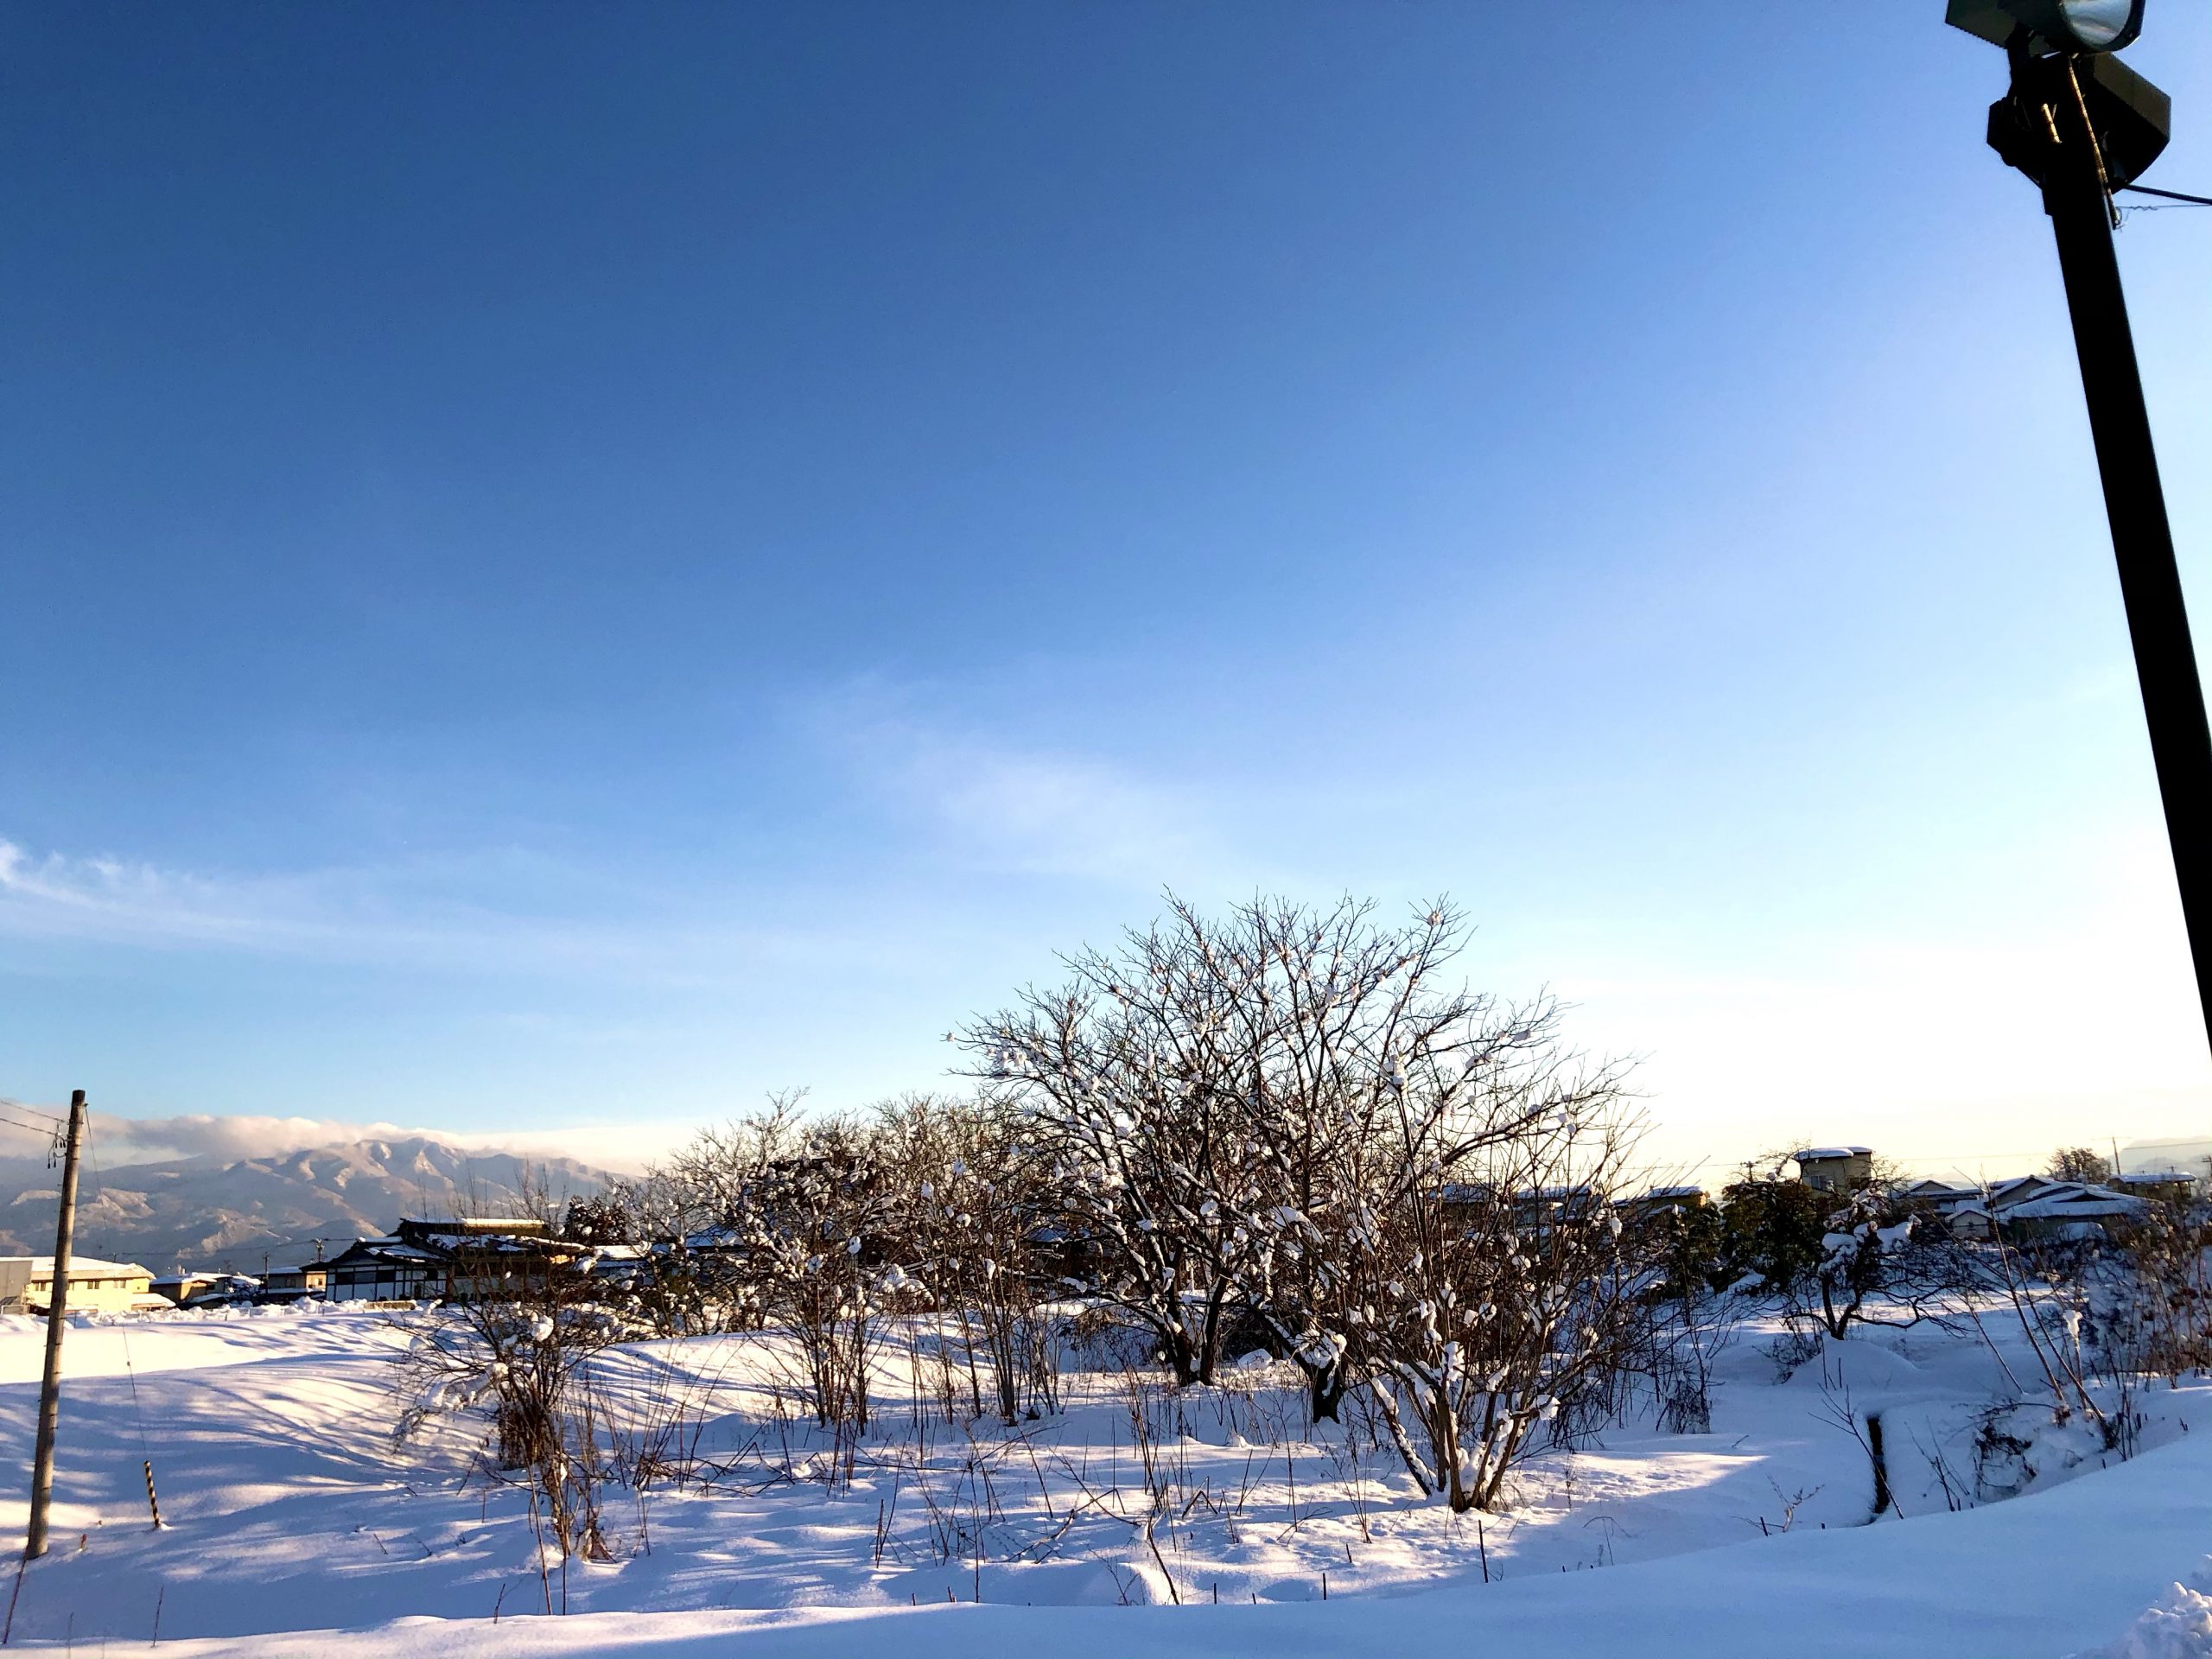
point(566, 566)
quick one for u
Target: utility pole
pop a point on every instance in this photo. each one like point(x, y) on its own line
point(49, 1391)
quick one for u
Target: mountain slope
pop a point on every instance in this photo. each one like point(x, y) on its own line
point(209, 1211)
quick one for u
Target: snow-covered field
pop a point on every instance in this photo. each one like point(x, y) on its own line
point(289, 1511)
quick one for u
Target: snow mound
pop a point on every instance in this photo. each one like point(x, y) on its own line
point(2177, 1626)
point(1870, 1370)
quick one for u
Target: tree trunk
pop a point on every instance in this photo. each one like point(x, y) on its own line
point(1411, 1458)
point(1181, 1353)
point(1326, 1387)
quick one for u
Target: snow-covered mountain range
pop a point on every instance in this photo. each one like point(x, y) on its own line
point(210, 1211)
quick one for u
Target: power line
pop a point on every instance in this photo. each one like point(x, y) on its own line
point(2170, 195)
point(137, 1410)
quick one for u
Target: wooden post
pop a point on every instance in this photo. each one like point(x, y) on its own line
point(57, 1302)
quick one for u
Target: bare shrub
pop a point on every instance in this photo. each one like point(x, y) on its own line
point(521, 1353)
point(1501, 1298)
point(966, 1204)
point(1690, 1320)
point(2157, 1317)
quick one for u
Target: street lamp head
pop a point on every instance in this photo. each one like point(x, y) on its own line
point(2082, 25)
point(2050, 25)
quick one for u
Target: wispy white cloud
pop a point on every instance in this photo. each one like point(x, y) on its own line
point(112, 899)
point(341, 911)
point(623, 1149)
point(1021, 808)
point(962, 794)
point(430, 916)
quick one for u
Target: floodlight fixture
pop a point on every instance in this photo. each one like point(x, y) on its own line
point(2091, 114)
point(2044, 26)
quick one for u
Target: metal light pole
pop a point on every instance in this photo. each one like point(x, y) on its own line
point(2142, 540)
point(2081, 124)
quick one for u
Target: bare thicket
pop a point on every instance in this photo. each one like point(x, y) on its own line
point(1695, 1309)
point(795, 1214)
point(2156, 1306)
point(1146, 1131)
point(2102, 1314)
point(1498, 1295)
point(518, 1348)
point(971, 1227)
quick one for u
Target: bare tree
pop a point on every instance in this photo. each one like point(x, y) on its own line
point(1210, 1099)
point(1148, 1157)
point(2155, 1312)
point(2078, 1164)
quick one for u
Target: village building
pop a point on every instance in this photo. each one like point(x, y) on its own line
point(2020, 1189)
point(1536, 1209)
point(384, 1270)
point(174, 1287)
point(1931, 1192)
point(2064, 1209)
point(2029, 1206)
point(2159, 1186)
point(204, 1287)
point(27, 1285)
point(1835, 1169)
point(1954, 1202)
point(290, 1284)
point(208, 1290)
point(1659, 1201)
point(446, 1258)
point(1466, 1204)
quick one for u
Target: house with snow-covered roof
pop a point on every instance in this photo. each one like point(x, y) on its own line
point(1659, 1201)
point(27, 1285)
point(1835, 1169)
point(213, 1288)
point(1932, 1190)
point(2038, 1208)
point(2018, 1189)
point(2027, 1207)
point(2159, 1186)
point(293, 1284)
point(387, 1269)
point(438, 1258)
